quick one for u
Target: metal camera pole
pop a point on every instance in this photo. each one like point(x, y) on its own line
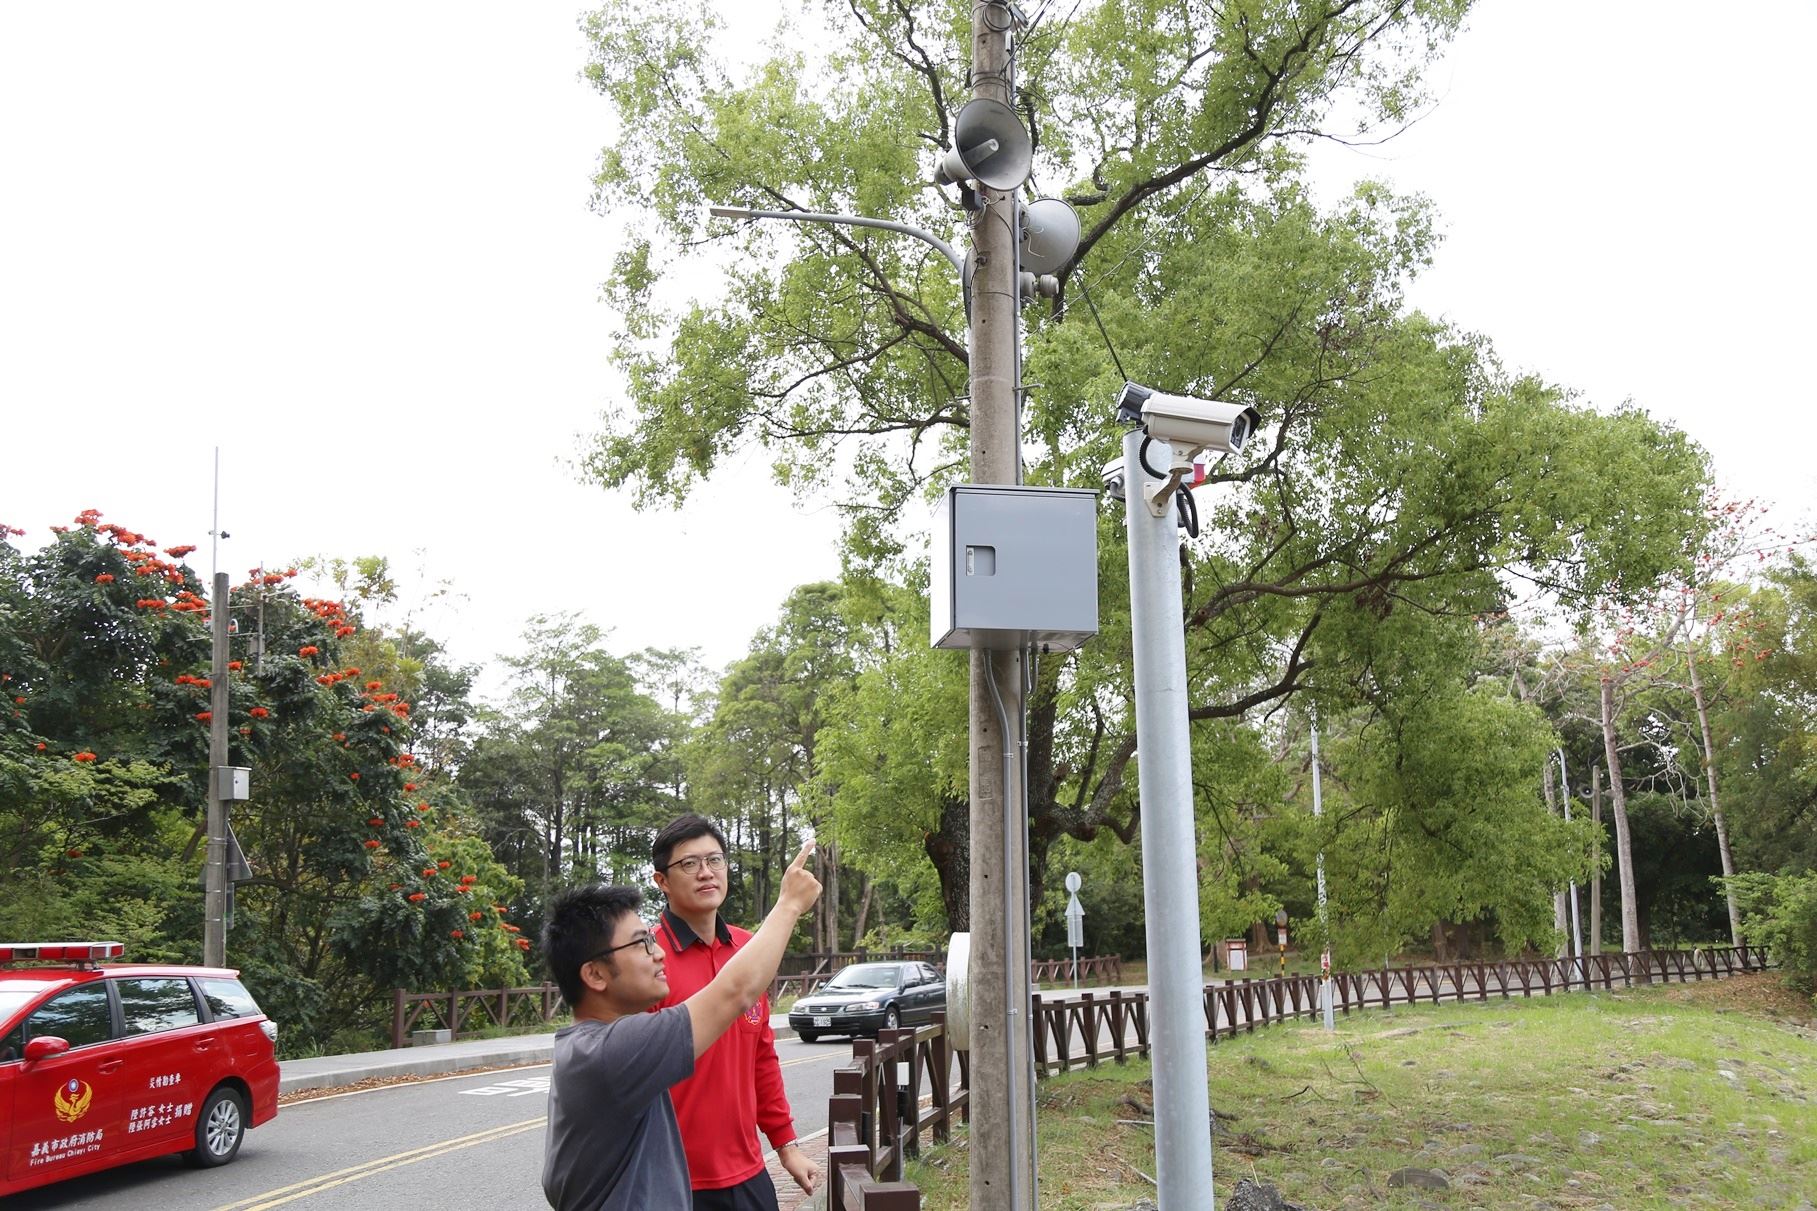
point(1170, 886)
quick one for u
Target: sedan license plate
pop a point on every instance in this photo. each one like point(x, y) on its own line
point(826, 1021)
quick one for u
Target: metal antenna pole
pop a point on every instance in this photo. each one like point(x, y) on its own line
point(1170, 889)
point(1318, 809)
point(214, 533)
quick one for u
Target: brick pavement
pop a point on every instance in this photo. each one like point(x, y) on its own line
point(788, 1195)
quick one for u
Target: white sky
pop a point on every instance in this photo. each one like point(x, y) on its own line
point(349, 244)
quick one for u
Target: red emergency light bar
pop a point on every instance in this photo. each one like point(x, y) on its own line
point(67, 952)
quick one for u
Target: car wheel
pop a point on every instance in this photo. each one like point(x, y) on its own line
point(220, 1127)
point(807, 1036)
point(891, 1019)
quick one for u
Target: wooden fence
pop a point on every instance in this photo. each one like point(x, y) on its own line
point(813, 975)
point(874, 1117)
point(807, 971)
point(1098, 967)
point(476, 1010)
point(473, 1012)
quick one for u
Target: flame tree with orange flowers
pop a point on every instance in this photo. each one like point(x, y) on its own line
point(364, 878)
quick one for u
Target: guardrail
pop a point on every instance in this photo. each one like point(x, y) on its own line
point(874, 1117)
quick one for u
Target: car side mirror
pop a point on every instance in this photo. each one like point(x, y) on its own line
point(45, 1046)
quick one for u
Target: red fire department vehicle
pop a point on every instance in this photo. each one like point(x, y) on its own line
point(104, 1065)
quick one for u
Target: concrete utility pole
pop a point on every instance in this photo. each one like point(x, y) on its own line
point(1170, 877)
point(214, 874)
point(1002, 1146)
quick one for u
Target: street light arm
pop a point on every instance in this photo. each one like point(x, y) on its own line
point(804, 216)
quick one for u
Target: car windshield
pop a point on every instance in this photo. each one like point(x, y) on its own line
point(12, 1000)
point(865, 975)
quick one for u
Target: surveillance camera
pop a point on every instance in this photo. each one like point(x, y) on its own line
point(1113, 479)
point(1186, 421)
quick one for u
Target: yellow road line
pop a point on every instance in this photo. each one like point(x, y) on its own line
point(327, 1181)
point(813, 1059)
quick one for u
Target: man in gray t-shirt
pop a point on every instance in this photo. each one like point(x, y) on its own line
point(612, 1143)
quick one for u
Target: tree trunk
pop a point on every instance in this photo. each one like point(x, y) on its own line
point(764, 843)
point(1618, 802)
point(1560, 920)
point(949, 849)
point(1709, 773)
point(864, 911)
point(1440, 949)
point(1596, 863)
point(829, 901)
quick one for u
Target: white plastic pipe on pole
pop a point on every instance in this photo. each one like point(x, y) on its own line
point(1318, 809)
point(1170, 891)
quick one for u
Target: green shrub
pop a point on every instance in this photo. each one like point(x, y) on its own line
point(1779, 912)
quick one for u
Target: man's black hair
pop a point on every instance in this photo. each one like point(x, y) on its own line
point(580, 924)
point(682, 828)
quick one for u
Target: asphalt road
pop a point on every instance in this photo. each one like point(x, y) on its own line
point(471, 1141)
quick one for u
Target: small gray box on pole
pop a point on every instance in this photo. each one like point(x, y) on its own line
point(1013, 566)
point(233, 783)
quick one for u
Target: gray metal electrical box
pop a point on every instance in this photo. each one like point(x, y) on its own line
point(233, 783)
point(1013, 566)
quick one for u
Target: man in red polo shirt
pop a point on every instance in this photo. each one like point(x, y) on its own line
point(736, 1088)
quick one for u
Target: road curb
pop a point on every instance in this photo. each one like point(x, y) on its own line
point(332, 1071)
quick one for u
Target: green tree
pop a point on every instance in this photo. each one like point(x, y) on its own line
point(893, 761)
point(103, 763)
point(757, 755)
point(1401, 474)
point(1767, 723)
point(574, 773)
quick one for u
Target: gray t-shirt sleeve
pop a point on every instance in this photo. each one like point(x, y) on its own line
point(612, 1137)
point(639, 1056)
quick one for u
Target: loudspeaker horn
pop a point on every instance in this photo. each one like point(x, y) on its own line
point(989, 147)
point(1050, 235)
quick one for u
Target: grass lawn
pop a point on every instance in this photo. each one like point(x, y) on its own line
point(1701, 1095)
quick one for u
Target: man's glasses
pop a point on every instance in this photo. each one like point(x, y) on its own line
point(691, 866)
point(643, 939)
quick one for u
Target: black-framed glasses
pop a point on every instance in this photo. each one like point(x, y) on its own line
point(691, 865)
point(644, 939)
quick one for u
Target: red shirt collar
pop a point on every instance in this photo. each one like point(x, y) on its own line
point(684, 935)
